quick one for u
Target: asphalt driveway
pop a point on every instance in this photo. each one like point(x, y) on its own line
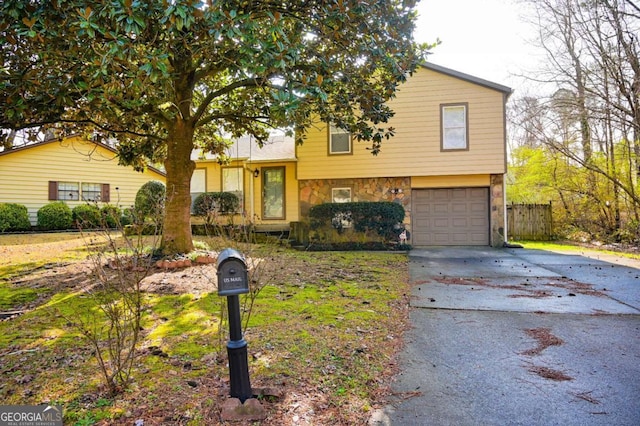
point(519, 337)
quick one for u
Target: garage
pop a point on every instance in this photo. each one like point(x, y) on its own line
point(450, 216)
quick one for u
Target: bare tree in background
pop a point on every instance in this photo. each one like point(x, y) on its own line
point(593, 115)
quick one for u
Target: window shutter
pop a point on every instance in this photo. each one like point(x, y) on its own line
point(53, 190)
point(105, 196)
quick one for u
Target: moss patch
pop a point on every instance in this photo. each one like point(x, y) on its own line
point(327, 326)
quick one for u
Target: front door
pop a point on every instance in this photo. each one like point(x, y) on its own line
point(273, 193)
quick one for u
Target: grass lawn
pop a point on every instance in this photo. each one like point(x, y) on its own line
point(322, 336)
point(567, 246)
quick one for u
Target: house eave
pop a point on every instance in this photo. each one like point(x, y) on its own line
point(468, 77)
point(275, 160)
point(53, 140)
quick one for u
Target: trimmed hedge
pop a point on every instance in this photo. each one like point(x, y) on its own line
point(209, 203)
point(87, 216)
point(112, 216)
point(55, 216)
point(150, 200)
point(381, 217)
point(14, 217)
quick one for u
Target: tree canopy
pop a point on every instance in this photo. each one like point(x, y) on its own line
point(166, 77)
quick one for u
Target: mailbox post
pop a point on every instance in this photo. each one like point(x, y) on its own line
point(233, 281)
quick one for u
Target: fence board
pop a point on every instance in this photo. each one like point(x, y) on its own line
point(529, 222)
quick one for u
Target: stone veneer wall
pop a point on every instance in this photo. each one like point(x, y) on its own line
point(496, 193)
point(318, 191)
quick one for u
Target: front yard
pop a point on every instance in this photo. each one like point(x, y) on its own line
point(322, 336)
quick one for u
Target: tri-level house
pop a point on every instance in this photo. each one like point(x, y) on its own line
point(445, 164)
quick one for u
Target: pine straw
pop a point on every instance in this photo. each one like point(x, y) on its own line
point(585, 396)
point(544, 338)
point(549, 373)
point(531, 294)
point(573, 287)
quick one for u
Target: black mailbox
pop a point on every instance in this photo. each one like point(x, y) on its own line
point(232, 273)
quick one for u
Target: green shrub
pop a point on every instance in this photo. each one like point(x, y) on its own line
point(356, 226)
point(87, 216)
point(128, 216)
point(56, 215)
point(14, 217)
point(210, 203)
point(150, 200)
point(383, 217)
point(112, 216)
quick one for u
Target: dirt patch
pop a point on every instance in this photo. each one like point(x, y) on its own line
point(21, 249)
point(197, 280)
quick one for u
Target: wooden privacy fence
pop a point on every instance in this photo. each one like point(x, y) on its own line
point(529, 222)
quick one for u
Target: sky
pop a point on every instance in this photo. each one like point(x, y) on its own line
point(484, 38)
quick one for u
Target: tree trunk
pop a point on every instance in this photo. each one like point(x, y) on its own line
point(176, 236)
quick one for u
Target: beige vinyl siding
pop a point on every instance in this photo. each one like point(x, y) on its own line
point(450, 181)
point(25, 173)
point(291, 194)
point(415, 148)
point(254, 210)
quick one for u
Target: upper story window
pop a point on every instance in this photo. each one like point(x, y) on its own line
point(454, 127)
point(339, 141)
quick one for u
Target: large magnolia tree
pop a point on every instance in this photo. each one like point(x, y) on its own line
point(165, 77)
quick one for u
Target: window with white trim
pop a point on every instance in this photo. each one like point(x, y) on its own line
point(339, 140)
point(340, 195)
point(233, 181)
point(454, 127)
point(91, 191)
point(68, 191)
point(341, 220)
point(198, 184)
point(76, 191)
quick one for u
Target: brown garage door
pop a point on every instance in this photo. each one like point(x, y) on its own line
point(450, 217)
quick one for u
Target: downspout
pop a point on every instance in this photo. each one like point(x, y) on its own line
point(504, 206)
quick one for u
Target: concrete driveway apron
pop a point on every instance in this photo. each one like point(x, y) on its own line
point(519, 337)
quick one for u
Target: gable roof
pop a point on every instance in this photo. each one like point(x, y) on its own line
point(467, 77)
point(22, 148)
